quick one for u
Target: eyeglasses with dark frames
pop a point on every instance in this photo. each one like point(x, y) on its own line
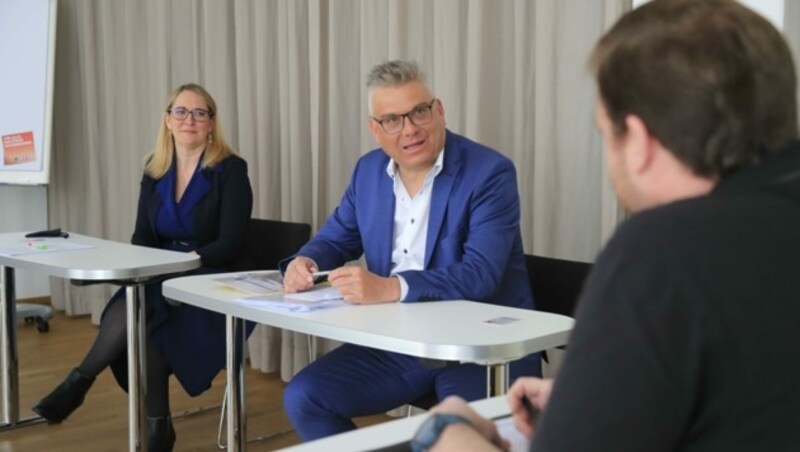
point(420, 115)
point(181, 113)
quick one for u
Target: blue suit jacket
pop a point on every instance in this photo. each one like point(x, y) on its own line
point(474, 247)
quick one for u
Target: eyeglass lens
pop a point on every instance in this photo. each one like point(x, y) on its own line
point(418, 116)
point(181, 113)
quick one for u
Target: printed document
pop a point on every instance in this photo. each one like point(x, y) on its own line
point(322, 296)
point(255, 283)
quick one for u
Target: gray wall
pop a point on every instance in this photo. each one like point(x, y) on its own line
point(25, 209)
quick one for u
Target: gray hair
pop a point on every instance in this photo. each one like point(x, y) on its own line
point(392, 73)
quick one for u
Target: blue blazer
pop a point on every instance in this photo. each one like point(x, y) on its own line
point(474, 246)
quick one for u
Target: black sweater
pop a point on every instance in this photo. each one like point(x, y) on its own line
point(688, 330)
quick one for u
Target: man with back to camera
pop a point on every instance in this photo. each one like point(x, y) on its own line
point(436, 217)
point(688, 330)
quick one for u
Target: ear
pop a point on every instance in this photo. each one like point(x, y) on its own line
point(640, 145)
point(374, 128)
point(439, 106)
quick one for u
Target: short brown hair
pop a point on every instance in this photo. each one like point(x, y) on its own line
point(711, 79)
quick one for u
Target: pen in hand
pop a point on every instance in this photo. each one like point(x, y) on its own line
point(532, 411)
point(320, 277)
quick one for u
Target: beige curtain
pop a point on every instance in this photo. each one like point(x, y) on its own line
point(288, 76)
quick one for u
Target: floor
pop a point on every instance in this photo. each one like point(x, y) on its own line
point(101, 424)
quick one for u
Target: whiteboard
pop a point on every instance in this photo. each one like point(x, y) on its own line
point(773, 10)
point(27, 53)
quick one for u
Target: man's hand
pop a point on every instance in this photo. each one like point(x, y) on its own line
point(298, 276)
point(358, 285)
point(458, 438)
point(537, 391)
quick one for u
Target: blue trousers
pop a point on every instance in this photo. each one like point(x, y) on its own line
point(356, 381)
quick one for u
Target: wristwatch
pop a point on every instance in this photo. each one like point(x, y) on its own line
point(430, 430)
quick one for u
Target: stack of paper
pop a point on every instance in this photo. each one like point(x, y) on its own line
point(320, 297)
point(255, 283)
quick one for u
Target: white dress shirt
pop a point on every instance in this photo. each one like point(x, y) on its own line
point(411, 222)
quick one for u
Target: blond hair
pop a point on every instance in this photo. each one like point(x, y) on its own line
point(159, 159)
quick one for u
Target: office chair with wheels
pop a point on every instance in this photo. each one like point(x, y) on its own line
point(35, 313)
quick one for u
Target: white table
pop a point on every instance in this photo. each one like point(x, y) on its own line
point(446, 330)
point(106, 261)
point(392, 432)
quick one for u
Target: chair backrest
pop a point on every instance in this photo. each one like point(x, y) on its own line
point(556, 283)
point(270, 241)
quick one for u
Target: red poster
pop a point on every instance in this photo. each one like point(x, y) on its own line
point(18, 148)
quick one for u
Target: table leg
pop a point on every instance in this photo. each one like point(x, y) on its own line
point(497, 379)
point(8, 354)
point(9, 357)
point(137, 367)
point(237, 422)
point(234, 337)
point(235, 409)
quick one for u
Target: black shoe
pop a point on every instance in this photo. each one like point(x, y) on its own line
point(66, 398)
point(160, 434)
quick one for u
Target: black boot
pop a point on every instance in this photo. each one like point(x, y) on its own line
point(66, 398)
point(160, 434)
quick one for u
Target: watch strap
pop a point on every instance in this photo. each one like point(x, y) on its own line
point(430, 430)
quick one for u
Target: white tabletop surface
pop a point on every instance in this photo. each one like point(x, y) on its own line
point(392, 432)
point(106, 260)
point(423, 329)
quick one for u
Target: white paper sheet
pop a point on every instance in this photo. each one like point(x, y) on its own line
point(320, 297)
point(42, 245)
point(255, 283)
point(506, 429)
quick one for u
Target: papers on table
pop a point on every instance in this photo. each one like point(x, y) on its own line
point(42, 245)
point(506, 429)
point(255, 283)
point(266, 291)
point(319, 297)
point(321, 292)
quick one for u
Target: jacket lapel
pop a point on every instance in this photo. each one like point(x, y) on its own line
point(384, 222)
point(442, 186)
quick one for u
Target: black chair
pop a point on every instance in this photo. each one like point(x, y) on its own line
point(270, 241)
point(556, 283)
point(266, 244)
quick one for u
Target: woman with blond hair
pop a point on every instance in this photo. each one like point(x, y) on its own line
point(195, 197)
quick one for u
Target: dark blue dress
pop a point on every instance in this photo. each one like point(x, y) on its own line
point(191, 339)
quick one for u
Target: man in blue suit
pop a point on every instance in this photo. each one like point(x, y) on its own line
point(436, 217)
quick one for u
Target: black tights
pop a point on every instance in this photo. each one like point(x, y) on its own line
point(111, 341)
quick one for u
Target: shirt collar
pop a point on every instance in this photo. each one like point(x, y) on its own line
point(391, 167)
